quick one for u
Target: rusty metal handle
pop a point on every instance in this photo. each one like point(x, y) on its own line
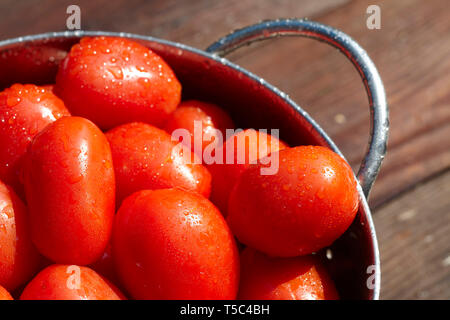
point(379, 113)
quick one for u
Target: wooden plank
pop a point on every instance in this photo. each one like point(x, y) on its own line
point(414, 237)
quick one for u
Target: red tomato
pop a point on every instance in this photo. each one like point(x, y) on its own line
point(174, 244)
point(305, 206)
point(24, 111)
point(145, 157)
point(70, 282)
point(253, 145)
point(113, 81)
point(211, 118)
point(19, 260)
point(299, 278)
point(69, 185)
point(4, 295)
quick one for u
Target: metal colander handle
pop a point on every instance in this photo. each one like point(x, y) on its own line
point(379, 118)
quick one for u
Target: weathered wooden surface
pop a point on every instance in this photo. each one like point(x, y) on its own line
point(414, 238)
point(411, 51)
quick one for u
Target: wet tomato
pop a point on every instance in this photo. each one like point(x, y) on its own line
point(299, 278)
point(205, 122)
point(306, 205)
point(70, 282)
point(112, 81)
point(4, 295)
point(174, 244)
point(24, 111)
point(70, 190)
point(19, 260)
point(145, 157)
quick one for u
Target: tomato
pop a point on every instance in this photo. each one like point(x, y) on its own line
point(69, 186)
point(299, 278)
point(19, 260)
point(4, 295)
point(305, 206)
point(174, 244)
point(113, 81)
point(70, 282)
point(211, 118)
point(253, 145)
point(24, 111)
point(145, 157)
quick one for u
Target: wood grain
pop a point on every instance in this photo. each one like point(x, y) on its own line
point(194, 22)
point(414, 237)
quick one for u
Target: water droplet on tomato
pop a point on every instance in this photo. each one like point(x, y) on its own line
point(116, 72)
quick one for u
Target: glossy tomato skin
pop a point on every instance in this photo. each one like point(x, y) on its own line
point(112, 81)
point(304, 207)
point(174, 244)
point(60, 282)
point(24, 111)
point(4, 294)
point(211, 117)
point(299, 278)
point(19, 259)
point(145, 157)
point(70, 190)
point(255, 145)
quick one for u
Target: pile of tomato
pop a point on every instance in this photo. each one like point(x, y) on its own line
point(98, 201)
